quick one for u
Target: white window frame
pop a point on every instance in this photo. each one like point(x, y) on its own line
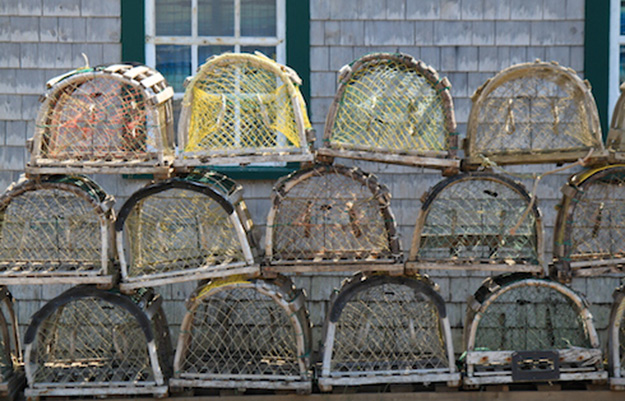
point(195, 40)
point(616, 41)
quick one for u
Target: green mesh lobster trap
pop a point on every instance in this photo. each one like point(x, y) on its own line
point(331, 217)
point(91, 342)
point(242, 108)
point(533, 113)
point(110, 119)
point(590, 226)
point(519, 328)
point(245, 334)
point(384, 330)
point(477, 221)
point(392, 108)
point(56, 229)
point(186, 228)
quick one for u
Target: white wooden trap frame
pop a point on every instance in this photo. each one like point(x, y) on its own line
point(392, 108)
point(245, 334)
point(522, 329)
point(92, 342)
point(533, 113)
point(243, 108)
point(387, 329)
point(12, 380)
point(186, 228)
point(115, 119)
point(589, 233)
point(477, 221)
point(331, 218)
point(616, 341)
point(54, 230)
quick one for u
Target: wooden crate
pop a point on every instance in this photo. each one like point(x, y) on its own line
point(90, 342)
point(245, 334)
point(56, 229)
point(519, 328)
point(186, 228)
point(331, 218)
point(383, 329)
point(533, 113)
point(477, 221)
point(392, 108)
point(111, 119)
point(242, 108)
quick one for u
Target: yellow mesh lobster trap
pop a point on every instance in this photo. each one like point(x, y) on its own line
point(382, 329)
point(243, 108)
point(478, 221)
point(245, 334)
point(189, 227)
point(331, 218)
point(392, 108)
point(91, 342)
point(519, 328)
point(533, 113)
point(589, 234)
point(109, 119)
point(56, 229)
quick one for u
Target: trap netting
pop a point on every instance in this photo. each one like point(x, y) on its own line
point(616, 135)
point(392, 108)
point(533, 113)
point(387, 329)
point(107, 119)
point(88, 341)
point(331, 215)
point(243, 108)
point(11, 364)
point(55, 229)
point(590, 227)
point(478, 221)
point(521, 328)
point(616, 340)
point(185, 228)
point(245, 333)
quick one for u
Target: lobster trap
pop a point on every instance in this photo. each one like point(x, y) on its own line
point(186, 228)
point(533, 113)
point(243, 108)
point(90, 342)
point(519, 328)
point(11, 363)
point(55, 229)
point(590, 226)
point(477, 221)
point(245, 334)
point(383, 329)
point(615, 142)
point(331, 218)
point(392, 108)
point(616, 341)
point(109, 119)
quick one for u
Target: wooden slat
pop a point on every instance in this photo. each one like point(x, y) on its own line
point(152, 80)
point(406, 160)
point(334, 267)
point(136, 71)
point(497, 267)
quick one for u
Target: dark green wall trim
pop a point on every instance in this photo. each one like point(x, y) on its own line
point(133, 30)
point(597, 55)
point(298, 41)
point(256, 172)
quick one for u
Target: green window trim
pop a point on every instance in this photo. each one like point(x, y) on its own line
point(597, 56)
point(297, 57)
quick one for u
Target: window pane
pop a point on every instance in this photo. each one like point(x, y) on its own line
point(174, 62)
point(267, 51)
point(215, 17)
point(173, 17)
point(258, 17)
point(204, 52)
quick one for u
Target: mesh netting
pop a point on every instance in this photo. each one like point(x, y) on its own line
point(533, 108)
point(54, 226)
point(591, 222)
point(89, 340)
point(242, 103)
point(388, 327)
point(10, 353)
point(531, 316)
point(179, 229)
point(477, 217)
point(391, 102)
point(329, 213)
point(240, 331)
point(102, 115)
